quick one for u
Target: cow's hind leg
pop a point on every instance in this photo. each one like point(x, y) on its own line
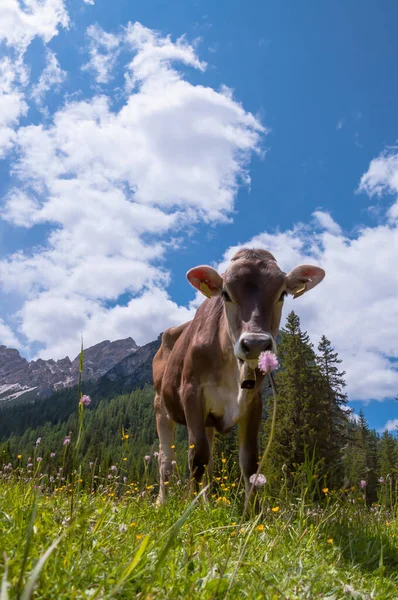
point(165, 427)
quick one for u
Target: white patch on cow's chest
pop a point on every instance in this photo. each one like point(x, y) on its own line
point(226, 400)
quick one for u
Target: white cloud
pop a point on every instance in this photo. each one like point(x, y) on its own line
point(104, 50)
point(12, 103)
point(8, 338)
point(326, 221)
point(114, 186)
point(144, 317)
point(22, 20)
point(51, 77)
point(382, 178)
point(154, 55)
point(355, 306)
point(89, 2)
point(391, 425)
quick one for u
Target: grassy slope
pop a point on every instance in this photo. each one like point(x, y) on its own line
point(342, 550)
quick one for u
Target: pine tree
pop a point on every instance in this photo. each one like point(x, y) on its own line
point(388, 459)
point(335, 398)
point(301, 424)
point(361, 457)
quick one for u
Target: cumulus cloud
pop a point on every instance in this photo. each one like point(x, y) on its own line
point(20, 23)
point(104, 49)
point(12, 103)
point(326, 221)
point(51, 77)
point(391, 425)
point(355, 306)
point(7, 337)
point(22, 20)
point(382, 178)
point(113, 186)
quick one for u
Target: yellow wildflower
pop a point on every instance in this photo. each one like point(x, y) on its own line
point(325, 490)
point(260, 527)
point(275, 509)
point(330, 541)
point(223, 460)
point(19, 456)
point(192, 446)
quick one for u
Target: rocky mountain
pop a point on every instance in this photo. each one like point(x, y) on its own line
point(23, 380)
point(133, 372)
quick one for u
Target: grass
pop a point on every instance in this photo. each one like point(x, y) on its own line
point(118, 545)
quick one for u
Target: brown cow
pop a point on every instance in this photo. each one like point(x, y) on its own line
point(197, 370)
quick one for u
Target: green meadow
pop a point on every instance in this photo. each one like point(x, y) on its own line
point(70, 542)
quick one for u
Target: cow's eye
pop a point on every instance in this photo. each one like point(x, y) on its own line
point(225, 295)
point(282, 296)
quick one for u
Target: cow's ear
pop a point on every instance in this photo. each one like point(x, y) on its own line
point(303, 278)
point(206, 280)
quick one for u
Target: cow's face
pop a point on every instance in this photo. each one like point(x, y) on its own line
point(253, 289)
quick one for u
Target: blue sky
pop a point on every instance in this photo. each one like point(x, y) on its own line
point(130, 154)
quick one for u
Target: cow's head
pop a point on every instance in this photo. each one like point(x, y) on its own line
point(253, 289)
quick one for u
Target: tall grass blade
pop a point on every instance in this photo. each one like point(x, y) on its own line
point(27, 545)
point(4, 582)
point(176, 528)
point(30, 584)
point(130, 568)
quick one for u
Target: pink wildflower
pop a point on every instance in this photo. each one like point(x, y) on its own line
point(67, 440)
point(52, 454)
point(258, 480)
point(363, 483)
point(39, 459)
point(147, 458)
point(86, 400)
point(38, 441)
point(91, 464)
point(381, 480)
point(113, 468)
point(267, 362)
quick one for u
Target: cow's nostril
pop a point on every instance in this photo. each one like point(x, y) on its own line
point(251, 345)
point(267, 344)
point(245, 346)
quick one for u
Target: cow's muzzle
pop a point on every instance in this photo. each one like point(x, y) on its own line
point(250, 345)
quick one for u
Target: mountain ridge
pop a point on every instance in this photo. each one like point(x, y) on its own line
point(22, 379)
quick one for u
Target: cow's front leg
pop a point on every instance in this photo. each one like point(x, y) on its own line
point(249, 426)
point(165, 427)
point(199, 446)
